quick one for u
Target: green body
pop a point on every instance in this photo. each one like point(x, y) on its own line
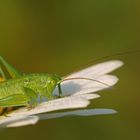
point(26, 90)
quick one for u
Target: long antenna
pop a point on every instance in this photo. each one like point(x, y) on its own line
point(84, 78)
point(102, 58)
point(117, 54)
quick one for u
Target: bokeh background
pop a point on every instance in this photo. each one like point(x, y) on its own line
point(58, 37)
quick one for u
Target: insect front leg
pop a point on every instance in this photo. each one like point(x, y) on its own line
point(59, 90)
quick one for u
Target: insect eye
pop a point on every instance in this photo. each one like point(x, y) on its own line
point(53, 82)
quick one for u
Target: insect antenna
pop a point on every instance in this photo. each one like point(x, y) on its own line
point(105, 57)
point(117, 54)
point(84, 78)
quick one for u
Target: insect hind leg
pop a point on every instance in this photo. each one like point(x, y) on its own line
point(14, 100)
point(2, 74)
point(10, 69)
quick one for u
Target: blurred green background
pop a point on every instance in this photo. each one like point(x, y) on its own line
point(58, 37)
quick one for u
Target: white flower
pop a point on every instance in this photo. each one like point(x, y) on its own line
point(76, 92)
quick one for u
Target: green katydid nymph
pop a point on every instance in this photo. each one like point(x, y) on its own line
point(25, 89)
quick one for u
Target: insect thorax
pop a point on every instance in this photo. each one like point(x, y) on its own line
point(42, 84)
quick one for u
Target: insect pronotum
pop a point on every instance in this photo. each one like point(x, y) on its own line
point(26, 89)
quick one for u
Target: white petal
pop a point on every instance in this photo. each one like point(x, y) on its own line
point(88, 96)
point(86, 112)
point(17, 121)
point(80, 86)
point(22, 117)
point(78, 89)
point(57, 104)
point(90, 87)
point(97, 70)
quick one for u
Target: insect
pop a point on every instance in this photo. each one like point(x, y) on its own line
point(25, 89)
